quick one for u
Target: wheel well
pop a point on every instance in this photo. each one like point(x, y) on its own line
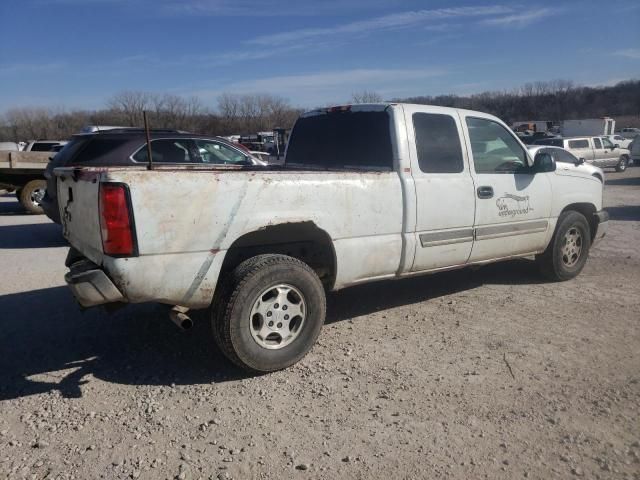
point(588, 210)
point(598, 176)
point(302, 240)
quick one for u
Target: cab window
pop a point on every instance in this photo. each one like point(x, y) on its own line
point(437, 143)
point(494, 149)
point(562, 156)
point(578, 144)
point(607, 143)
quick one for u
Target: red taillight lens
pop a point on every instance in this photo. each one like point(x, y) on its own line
point(117, 237)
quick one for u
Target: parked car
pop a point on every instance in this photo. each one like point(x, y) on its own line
point(127, 147)
point(367, 192)
point(598, 151)
point(635, 151)
point(566, 162)
point(619, 141)
point(9, 147)
point(630, 132)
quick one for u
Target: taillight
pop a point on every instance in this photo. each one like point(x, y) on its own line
point(115, 220)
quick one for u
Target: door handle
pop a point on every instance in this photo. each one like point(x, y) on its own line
point(485, 192)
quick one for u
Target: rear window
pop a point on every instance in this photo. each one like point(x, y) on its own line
point(342, 140)
point(98, 149)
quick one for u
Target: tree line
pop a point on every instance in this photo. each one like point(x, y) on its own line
point(244, 114)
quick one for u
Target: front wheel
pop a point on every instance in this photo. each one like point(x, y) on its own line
point(31, 196)
point(622, 164)
point(567, 252)
point(269, 313)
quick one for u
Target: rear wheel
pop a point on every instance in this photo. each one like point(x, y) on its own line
point(622, 164)
point(269, 313)
point(31, 196)
point(567, 252)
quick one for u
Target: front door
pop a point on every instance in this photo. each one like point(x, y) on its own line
point(611, 156)
point(513, 204)
point(444, 188)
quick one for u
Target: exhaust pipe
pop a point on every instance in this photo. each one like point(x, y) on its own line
point(178, 315)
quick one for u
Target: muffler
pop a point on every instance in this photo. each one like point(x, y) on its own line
point(178, 315)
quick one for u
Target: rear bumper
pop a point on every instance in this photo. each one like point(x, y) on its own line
point(91, 286)
point(602, 219)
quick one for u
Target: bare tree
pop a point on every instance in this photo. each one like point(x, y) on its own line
point(366, 96)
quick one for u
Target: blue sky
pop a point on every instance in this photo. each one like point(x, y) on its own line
point(77, 53)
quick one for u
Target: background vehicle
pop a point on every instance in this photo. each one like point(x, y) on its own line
point(588, 127)
point(567, 162)
point(598, 151)
point(630, 132)
point(9, 146)
point(619, 140)
point(367, 192)
point(635, 152)
point(23, 172)
point(126, 147)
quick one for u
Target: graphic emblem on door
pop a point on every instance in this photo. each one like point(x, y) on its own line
point(510, 205)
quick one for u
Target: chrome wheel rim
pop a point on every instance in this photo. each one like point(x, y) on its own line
point(277, 316)
point(36, 196)
point(571, 247)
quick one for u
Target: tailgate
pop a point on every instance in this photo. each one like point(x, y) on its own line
point(78, 201)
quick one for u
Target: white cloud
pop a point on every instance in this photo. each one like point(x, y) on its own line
point(633, 53)
point(520, 19)
point(386, 22)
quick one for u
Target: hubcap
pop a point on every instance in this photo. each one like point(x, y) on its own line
point(277, 316)
point(36, 196)
point(571, 247)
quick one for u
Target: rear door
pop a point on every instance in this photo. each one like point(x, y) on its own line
point(513, 204)
point(444, 187)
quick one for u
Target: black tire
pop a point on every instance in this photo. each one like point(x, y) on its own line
point(231, 313)
point(554, 263)
point(29, 194)
point(622, 164)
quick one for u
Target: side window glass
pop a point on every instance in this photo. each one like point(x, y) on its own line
point(437, 143)
point(607, 143)
point(215, 152)
point(578, 144)
point(563, 156)
point(494, 149)
point(168, 151)
point(596, 143)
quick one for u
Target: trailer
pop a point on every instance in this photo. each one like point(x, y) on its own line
point(24, 173)
point(588, 127)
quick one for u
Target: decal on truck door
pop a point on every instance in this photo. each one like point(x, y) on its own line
point(510, 205)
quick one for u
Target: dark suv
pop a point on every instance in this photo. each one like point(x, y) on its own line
point(128, 147)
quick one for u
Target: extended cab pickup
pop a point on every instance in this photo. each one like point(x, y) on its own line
point(367, 192)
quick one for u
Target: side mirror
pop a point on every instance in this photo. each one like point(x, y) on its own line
point(580, 161)
point(616, 146)
point(543, 162)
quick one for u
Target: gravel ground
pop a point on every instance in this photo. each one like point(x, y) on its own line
point(489, 373)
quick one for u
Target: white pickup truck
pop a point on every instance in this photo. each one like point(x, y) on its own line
point(367, 192)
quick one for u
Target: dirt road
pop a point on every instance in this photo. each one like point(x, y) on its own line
point(470, 374)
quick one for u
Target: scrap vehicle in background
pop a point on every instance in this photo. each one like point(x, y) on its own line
point(620, 141)
point(367, 192)
point(566, 161)
point(24, 173)
point(630, 132)
point(599, 150)
point(635, 151)
point(43, 145)
point(122, 147)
